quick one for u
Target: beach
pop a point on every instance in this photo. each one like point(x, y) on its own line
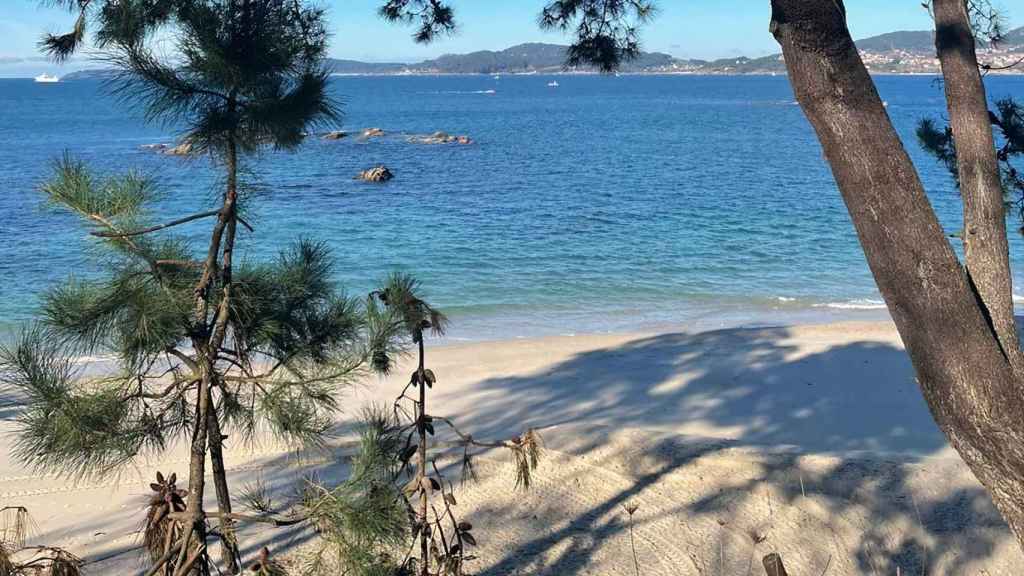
point(809, 441)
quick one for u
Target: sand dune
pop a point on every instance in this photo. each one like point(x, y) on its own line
point(810, 441)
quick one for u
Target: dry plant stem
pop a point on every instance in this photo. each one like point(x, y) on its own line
point(632, 545)
point(448, 509)
point(773, 565)
point(191, 561)
point(156, 568)
point(421, 472)
point(271, 520)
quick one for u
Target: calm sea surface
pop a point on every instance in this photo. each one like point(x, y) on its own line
point(605, 204)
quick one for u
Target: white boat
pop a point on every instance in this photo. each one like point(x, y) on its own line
point(553, 84)
point(47, 79)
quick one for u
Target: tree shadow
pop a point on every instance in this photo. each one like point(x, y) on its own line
point(861, 444)
point(737, 443)
point(752, 385)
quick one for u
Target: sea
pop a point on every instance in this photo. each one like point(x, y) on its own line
point(602, 204)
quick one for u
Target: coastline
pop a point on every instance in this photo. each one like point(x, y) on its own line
point(789, 432)
point(565, 73)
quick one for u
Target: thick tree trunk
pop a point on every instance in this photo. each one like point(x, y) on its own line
point(965, 378)
point(986, 249)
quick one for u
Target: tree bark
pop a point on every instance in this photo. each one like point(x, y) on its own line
point(986, 250)
point(230, 556)
point(196, 536)
point(963, 373)
point(207, 341)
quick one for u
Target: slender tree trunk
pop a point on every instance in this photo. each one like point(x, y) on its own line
point(207, 342)
point(421, 473)
point(195, 537)
point(986, 250)
point(216, 342)
point(230, 556)
point(966, 380)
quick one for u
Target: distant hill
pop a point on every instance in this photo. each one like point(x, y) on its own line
point(915, 41)
point(91, 74)
point(532, 57)
point(356, 67)
point(1014, 37)
point(894, 52)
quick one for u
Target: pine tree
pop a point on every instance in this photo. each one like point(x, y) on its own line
point(203, 345)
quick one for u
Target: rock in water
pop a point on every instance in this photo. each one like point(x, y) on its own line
point(376, 174)
point(335, 135)
point(183, 149)
point(440, 138)
point(371, 132)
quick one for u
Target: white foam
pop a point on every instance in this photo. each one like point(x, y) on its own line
point(855, 304)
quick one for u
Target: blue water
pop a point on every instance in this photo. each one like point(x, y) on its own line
point(608, 203)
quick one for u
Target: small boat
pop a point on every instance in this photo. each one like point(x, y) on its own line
point(553, 84)
point(46, 79)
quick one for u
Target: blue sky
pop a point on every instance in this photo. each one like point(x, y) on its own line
point(684, 28)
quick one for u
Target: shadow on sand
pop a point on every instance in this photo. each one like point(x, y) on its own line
point(857, 402)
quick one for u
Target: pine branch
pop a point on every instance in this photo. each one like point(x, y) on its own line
point(125, 234)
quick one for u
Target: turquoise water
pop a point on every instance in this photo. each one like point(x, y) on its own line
point(608, 203)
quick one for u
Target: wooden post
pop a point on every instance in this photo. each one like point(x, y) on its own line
point(773, 565)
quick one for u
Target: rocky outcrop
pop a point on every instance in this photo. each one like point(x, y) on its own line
point(376, 174)
point(372, 132)
point(335, 135)
point(440, 138)
point(182, 149)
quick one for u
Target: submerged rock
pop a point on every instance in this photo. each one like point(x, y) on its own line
point(376, 174)
point(335, 135)
point(440, 138)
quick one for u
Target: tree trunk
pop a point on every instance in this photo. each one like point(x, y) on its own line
point(966, 380)
point(230, 556)
point(196, 536)
point(219, 333)
point(986, 250)
point(207, 342)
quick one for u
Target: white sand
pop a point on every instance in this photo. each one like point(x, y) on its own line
point(810, 441)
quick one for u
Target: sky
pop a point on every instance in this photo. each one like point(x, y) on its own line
point(684, 28)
